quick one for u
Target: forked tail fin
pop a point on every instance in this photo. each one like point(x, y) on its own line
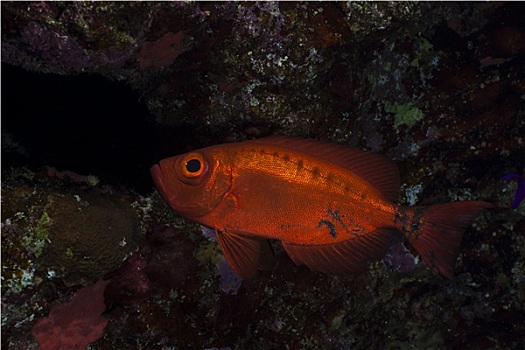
point(436, 231)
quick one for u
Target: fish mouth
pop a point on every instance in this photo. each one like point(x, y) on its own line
point(169, 194)
point(156, 175)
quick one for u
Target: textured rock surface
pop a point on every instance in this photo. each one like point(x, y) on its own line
point(437, 87)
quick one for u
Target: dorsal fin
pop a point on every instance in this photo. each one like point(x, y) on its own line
point(374, 168)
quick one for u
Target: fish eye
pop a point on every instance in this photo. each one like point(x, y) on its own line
point(192, 165)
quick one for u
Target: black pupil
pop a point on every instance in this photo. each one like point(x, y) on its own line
point(193, 165)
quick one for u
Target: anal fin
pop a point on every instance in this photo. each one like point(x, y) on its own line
point(266, 256)
point(350, 256)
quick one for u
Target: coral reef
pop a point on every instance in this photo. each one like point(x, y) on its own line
point(437, 87)
point(58, 235)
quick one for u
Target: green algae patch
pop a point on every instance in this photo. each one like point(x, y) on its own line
point(422, 55)
point(404, 114)
point(209, 252)
point(41, 233)
point(35, 240)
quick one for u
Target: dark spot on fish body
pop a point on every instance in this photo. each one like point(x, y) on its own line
point(409, 223)
point(400, 217)
point(330, 226)
point(351, 227)
point(347, 188)
point(316, 172)
point(335, 215)
point(286, 158)
point(330, 177)
point(300, 165)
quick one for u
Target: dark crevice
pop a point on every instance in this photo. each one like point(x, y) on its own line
point(84, 123)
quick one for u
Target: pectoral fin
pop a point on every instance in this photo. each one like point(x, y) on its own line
point(245, 255)
point(351, 256)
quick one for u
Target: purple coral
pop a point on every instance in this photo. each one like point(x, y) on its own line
point(400, 259)
point(209, 233)
point(52, 47)
point(229, 281)
point(261, 19)
point(520, 192)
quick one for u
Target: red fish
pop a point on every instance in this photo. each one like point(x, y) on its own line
point(331, 207)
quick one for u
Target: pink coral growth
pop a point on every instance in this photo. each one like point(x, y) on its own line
point(73, 177)
point(162, 52)
point(74, 325)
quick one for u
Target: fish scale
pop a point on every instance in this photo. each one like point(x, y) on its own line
point(283, 178)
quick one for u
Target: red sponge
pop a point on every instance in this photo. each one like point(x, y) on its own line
point(74, 325)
